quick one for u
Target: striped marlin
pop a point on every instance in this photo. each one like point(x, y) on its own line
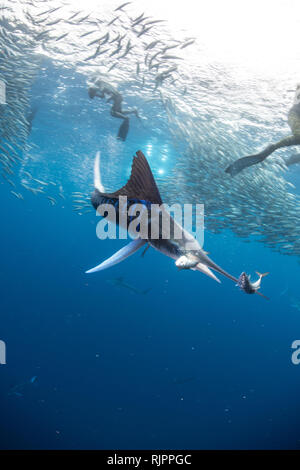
point(141, 189)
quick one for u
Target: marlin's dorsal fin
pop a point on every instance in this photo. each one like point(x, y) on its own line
point(141, 184)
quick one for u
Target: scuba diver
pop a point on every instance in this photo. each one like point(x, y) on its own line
point(294, 139)
point(101, 89)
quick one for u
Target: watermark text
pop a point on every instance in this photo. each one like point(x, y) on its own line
point(140, 219)
point(296, 353)
point(2, 352)
point(2, 92)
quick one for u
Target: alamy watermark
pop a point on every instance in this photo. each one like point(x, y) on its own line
point(296, 354)
point(2, 92)
point(152, 221)
point(2, 352)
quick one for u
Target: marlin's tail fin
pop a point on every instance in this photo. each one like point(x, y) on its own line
point(261, 275)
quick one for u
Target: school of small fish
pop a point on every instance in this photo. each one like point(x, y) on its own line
point(260, 203)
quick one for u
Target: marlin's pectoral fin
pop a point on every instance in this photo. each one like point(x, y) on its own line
point(205, 270)
point(119, 256)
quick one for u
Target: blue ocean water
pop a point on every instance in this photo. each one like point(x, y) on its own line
point(190, 364)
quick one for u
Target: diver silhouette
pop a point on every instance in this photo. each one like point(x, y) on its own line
point(294, 139)
point(103, 89)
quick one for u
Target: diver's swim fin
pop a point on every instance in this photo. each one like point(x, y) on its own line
point(119, 256)
point(243, 163)
point(124, 128)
